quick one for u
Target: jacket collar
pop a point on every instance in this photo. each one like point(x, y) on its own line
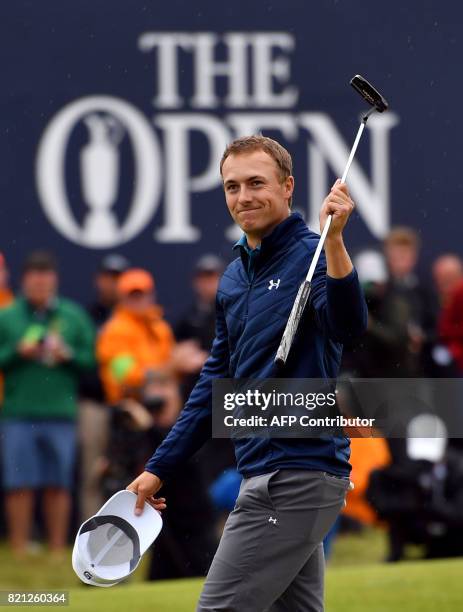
point(51, 308)
point(293, 228)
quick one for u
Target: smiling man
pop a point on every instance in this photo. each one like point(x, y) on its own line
point(270, 556)
point(257, 191)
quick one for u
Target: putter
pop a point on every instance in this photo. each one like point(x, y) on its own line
point(379, 104)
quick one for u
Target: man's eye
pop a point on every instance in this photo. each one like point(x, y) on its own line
point(256, 183)
point(231, 188)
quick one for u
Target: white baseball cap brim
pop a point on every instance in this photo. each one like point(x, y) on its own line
point(109, 545)
point(83, 573)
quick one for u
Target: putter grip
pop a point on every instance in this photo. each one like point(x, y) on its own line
point(293, 323)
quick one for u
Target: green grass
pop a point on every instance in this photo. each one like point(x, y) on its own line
point(41, 572)
point(369, 547)
point(356, 581)
point(417, 586)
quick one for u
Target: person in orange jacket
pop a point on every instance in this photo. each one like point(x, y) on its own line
point(136, 341)
point(367, 454)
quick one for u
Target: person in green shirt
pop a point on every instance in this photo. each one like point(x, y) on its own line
point(45, 342)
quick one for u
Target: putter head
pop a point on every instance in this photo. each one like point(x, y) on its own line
point(369, 93)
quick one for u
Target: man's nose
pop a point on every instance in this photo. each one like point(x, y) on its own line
point(244, 196)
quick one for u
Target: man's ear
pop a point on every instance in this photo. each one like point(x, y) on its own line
point(289, 186)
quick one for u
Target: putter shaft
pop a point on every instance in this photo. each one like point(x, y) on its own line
point(304, 290)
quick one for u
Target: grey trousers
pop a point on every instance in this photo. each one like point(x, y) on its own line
point(270, 557)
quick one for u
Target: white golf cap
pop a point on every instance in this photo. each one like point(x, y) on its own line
point(109, 545)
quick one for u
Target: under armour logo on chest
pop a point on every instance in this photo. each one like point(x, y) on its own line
point(272, 520)
point(274, 284)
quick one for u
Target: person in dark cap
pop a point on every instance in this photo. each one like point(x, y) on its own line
point(197, 329)
point(106, 278)
point(198, 323)
point(45, 343)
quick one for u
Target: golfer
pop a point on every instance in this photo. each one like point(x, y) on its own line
point(270, 556)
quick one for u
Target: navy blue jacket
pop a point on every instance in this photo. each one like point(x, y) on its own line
point(250, 322)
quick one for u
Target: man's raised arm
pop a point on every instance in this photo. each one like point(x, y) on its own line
point(336, 294)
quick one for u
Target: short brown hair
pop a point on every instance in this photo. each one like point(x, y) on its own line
point(274, 149)
point(40, 261)
point(403, 236)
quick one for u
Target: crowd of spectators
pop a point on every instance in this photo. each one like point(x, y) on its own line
point(413, 332)
point(88, 392)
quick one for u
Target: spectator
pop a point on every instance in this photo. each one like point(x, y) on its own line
point(451, 320)
point(198, 323)
point(137, 424)
point(401, 321)
point(196, 330)
point(133, 347)
point(198, 326)
point(93, 413)
point(45, 341)
point(367, 454)
point(106, 279)
point(447, 272)
point(448, 277)
point(421, 496)
point(135, 341)
point(401, 247)
point(187, 543)
point(383, 351)
point(414, 495)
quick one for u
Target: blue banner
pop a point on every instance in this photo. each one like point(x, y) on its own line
point(115, 115)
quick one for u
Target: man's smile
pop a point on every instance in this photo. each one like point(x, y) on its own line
point(245, 210)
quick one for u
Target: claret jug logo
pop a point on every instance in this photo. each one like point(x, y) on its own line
point(103, 187)
point(107, 121)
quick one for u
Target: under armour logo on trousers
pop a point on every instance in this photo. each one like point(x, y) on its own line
point(272, 520)
point(274, 284)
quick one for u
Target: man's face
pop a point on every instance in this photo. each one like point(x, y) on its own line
point(401, 259)
point(447, 273)
point(256, 197)
point(39, 286)
point(106, 286)
point(138, 302)
point(205, 285)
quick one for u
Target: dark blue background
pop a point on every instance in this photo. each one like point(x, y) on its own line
point(53, 52)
